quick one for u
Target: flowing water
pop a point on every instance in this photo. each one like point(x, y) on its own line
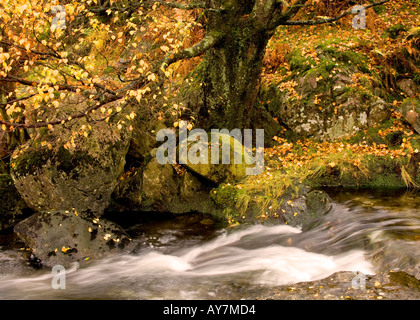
point(191, 257)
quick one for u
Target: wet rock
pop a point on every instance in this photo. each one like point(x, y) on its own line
point(156, 187)
point(298, 205)
point(64, 237)
point(383, 286)
point(306, 207)
point(12, 207)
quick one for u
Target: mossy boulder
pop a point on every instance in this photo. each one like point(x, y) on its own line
point(156, 187)
point(75, 166)
point(227, 169)
point(12, 207)
point(64, 237)
point(297, 205)
point(328, 95)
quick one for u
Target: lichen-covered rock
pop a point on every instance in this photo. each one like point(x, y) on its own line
point(71, 166)
point(409, 87)
point(63, 237)
point(329, 95)
point(12, 207)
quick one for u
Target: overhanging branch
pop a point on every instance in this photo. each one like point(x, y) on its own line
point(208, 42)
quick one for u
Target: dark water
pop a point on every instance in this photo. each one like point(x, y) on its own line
point(190, 257)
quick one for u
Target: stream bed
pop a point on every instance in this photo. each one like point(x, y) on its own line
point(346, 254)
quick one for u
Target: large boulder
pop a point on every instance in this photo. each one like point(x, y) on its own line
point(331, 96)
point(297, 205)
point(229, 170)
point(12, 207)
point(64, 237)
point(71, 166)
point(156, 187)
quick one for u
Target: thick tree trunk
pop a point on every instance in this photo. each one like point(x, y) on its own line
point(233, 69)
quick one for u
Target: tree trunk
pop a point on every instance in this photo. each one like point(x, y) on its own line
point(233, 69)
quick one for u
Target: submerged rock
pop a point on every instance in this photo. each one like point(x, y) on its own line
point(63, 237)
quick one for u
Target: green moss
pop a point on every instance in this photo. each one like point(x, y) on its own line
point(298, 62)
point(385, 171)
point(30, 160)
point(225, 195)
point(394, 31)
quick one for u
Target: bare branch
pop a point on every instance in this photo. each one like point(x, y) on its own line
point(328, 20)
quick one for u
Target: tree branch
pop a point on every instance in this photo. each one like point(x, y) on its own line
point(78, 115)
point(208, 42)
point(198, 49)
point(175, 5)
point(36, 83)
point(18, 99)
point(328, 20)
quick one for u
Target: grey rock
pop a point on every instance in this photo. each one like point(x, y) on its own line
point(64, 237)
